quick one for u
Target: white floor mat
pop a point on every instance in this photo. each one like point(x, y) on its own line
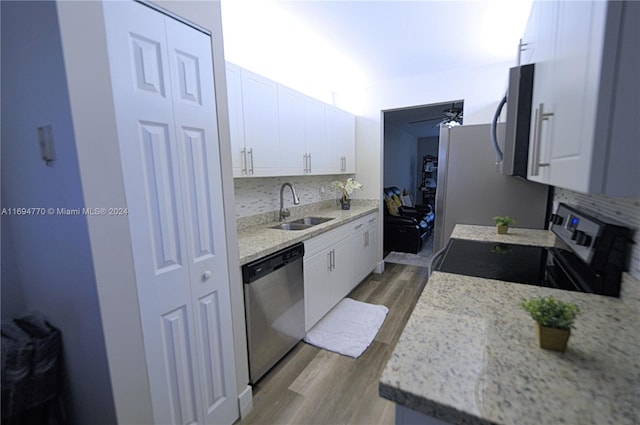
point(349, 328)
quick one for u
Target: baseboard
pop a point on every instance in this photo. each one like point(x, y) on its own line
point(245, 401)
point(379, 267)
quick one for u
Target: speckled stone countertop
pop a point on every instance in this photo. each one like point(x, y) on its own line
point(257, 241)
point(515, 235)
point(468, 355)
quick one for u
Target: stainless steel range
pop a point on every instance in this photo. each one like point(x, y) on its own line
point(594, 255)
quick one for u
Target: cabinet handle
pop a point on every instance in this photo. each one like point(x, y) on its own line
point(243, 152)
point(304, 159)
point(540, 116)
point(251, 161)
point(333, 259)
point(372, 219)
point(309, 162)
point(366, 239)
point(358, 226)
point(329, 261)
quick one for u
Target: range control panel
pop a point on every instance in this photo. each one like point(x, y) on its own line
point(576, 229)
point(587, 235)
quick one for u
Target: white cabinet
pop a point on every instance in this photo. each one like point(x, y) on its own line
point(327, 266)
point(277, 131)
point(335, 263)
point(236, 122)
point(576, 50)
point(291, 121)
point(314, 137)
point(340, 137)
point(163, 92)
point(260, 117)
point(363, 245)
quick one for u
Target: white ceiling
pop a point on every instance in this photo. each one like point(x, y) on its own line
point(364, 42)
point(320, 47)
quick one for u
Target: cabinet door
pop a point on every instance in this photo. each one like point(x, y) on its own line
point(165, 111)
point(342, 274)
point(260, 112)
point(340, 136)
point(542, 53)
point(370, 243)
point(292, 138)
point(314, 137)
point(576, 80)
point(318, 291)
point(566, 84)
point(236, 122)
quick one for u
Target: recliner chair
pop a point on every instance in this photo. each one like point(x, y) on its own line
point(405, 228)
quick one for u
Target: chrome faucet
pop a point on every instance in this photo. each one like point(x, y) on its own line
point(284, 212)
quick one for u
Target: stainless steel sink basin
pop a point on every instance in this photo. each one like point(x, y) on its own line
point(292, 226)
point(313, 221)
point(302, 223)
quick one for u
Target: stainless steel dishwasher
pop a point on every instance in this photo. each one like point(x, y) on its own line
point(274, 307)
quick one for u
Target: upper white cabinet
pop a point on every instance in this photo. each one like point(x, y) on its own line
point(253, 122)
point(236, 122)
point(582, 78)
point(292, 133)
point(340, 131)
point(260, 117)
point(314, 137)
point(277, 131)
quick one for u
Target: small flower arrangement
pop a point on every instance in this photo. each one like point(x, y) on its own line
point(346, 188)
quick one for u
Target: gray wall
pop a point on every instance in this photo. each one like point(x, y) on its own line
point(401, 162)
point(52, 253)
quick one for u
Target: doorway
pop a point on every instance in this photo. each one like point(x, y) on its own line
point(410, 156)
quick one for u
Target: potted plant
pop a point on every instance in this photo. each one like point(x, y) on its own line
point(503, 223)
point(554, 320)
point(347, 189)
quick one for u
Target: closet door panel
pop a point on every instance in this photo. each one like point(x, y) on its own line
point(195, 116)
point(162, 77)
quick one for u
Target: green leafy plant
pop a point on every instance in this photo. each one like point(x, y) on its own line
point(504, 220)
point(551, 312)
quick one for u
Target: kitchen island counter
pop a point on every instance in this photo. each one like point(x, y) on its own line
point(468, 355)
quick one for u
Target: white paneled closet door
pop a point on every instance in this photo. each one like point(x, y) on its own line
point(162, 76)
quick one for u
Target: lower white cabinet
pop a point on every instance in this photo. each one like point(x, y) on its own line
point(363, 246)
point(335, 263)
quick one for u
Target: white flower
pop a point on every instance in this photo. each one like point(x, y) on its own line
point(346, 188)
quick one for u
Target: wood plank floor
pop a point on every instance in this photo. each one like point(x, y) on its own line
point(313, 386)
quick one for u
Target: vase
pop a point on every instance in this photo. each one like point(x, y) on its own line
point(502, 229)
point(552, 338)
point(345, 204)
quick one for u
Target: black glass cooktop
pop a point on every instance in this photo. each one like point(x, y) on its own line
point(491, 260)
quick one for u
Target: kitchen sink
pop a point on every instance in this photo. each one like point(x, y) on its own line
point(302, 223)
point(292, 226)
point(313, 221)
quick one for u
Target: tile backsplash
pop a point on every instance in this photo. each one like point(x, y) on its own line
point(624, 210)
point(259, 196)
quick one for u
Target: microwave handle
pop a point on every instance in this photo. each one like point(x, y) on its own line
point(494, 127)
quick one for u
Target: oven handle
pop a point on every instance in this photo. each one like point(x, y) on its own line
point(569, 272)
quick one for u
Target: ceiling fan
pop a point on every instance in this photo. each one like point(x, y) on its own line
point(450, 115)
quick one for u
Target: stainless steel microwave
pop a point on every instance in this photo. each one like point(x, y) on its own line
point(519, 96)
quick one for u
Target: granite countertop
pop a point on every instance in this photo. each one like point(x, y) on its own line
point(257, 241)
point(468, 355)
point(515, 235)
